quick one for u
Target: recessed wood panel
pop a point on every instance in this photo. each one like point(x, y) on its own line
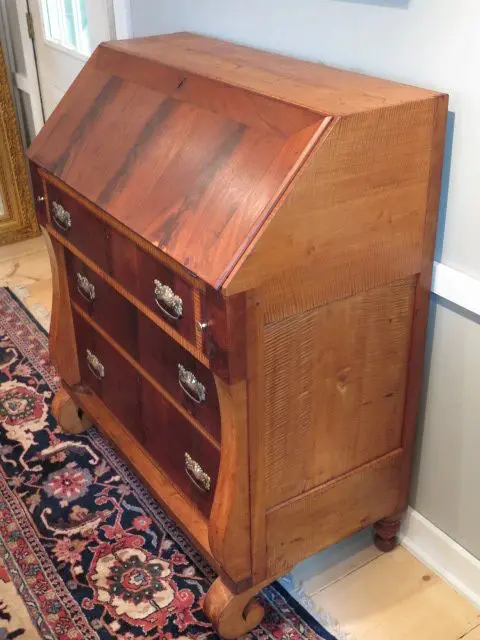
point(335, 381)
point(328, 514)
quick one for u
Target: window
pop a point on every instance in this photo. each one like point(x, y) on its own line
point(66, 24)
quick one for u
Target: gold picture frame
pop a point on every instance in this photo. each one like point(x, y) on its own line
point(18, 220)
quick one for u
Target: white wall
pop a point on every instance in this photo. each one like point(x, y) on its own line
point(447, 474)
point(436, 44)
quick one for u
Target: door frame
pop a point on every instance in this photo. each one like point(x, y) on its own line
point(28, 81)
point(120, 18)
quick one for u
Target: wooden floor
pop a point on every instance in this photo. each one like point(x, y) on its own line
point(25, 268)
point(375, 596)
point(371, 596)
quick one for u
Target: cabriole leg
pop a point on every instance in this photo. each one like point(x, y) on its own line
point(233, 615)
point(386, 531)
point(68, 415)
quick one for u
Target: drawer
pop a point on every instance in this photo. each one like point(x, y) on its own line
point(185, 455)
point(109, 376)
point(185, 378)
point(157, 286)
point(176, 370)
point(103, 304)
point(78, 225)
point(183, 452)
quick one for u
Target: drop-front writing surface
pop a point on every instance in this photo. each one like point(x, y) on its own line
point(246, 242)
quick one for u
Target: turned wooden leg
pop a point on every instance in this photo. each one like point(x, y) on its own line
point(68, 415)
point(385, 532)
point(233, 615)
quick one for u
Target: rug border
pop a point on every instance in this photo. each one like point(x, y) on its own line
point(27, 311)
point(24, 521)
point(301, 611)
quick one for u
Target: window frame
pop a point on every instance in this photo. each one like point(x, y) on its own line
point(63, 45)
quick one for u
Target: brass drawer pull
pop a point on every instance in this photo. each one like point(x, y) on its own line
point(61, 217)
point(85, 288)
point(196, 474)
point(190, 386)
point(95, 366)
point(169, 304)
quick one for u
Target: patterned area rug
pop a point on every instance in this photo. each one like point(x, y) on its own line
point(90, 552)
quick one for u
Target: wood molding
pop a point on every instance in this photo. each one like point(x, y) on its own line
point(422, 296)
point(457, 287)
point(256, 428)
point(229, 526)
point(336, 510)
point(63, 350)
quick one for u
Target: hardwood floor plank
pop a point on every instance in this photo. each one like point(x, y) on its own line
point(474, 634)
point(21, 249)
point(25, 268)
point(333, 564)
point(396, 598)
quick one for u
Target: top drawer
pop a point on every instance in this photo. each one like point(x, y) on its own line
point(78, 225)
point(157, 286)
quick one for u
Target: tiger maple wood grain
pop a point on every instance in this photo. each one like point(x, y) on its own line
point(334, 388)
point(326, 514)
point(359, 206)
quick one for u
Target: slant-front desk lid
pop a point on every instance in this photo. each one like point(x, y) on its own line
point(191, 142)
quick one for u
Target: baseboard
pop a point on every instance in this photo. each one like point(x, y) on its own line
point(442, 555)
point(457, 287)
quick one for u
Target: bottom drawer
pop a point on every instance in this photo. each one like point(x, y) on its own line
point(182, 451)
